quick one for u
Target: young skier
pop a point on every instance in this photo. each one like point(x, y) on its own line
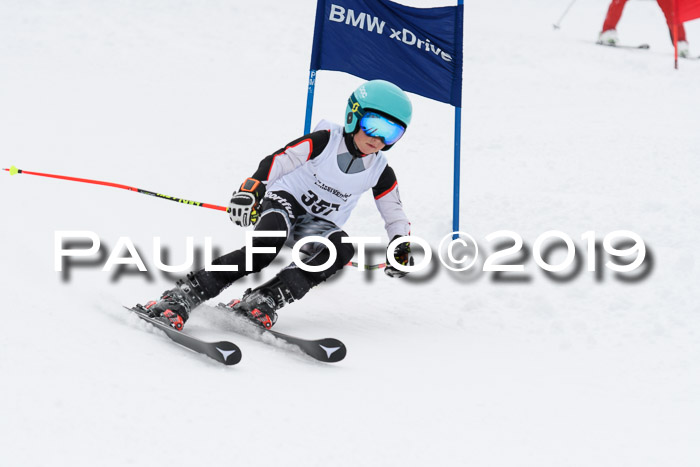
point(608, 35)
point(309, 187)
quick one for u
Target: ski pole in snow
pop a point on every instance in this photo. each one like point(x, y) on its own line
point(14, 171)
point(558, 23)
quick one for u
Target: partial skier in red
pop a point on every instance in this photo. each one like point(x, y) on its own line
point(608, 35)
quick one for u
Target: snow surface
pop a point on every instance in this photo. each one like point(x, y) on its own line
point(184, 97)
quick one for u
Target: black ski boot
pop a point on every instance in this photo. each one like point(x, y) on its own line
point(260, 305)
point(175, 305)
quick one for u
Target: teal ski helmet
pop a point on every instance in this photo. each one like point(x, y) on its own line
point(379, 96)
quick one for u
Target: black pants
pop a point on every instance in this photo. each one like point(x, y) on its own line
point(282, 213)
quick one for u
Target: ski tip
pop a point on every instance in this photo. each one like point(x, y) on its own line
point(333, 350)
point(228, 353)
point(644, 46)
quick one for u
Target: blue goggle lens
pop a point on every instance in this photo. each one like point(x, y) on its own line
point(378, 126)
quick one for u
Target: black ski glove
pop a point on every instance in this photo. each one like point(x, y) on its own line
point(244, 207)
point(402, 255)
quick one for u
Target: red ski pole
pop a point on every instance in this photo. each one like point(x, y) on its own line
point(14, 171)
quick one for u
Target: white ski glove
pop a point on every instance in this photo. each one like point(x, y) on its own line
point(244, 207)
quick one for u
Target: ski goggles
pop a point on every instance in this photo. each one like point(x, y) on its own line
point(378, 126)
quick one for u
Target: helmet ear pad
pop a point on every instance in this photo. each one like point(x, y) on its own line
point(353, 114)
point(349, 122)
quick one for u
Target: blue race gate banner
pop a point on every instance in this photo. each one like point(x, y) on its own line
point(418, 49)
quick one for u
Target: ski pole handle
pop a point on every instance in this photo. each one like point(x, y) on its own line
point(14, 171)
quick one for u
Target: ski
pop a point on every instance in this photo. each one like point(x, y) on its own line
point(224, 352)
point(328, 350)
point(626, 46)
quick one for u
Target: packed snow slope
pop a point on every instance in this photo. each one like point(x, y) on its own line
point(184, 98)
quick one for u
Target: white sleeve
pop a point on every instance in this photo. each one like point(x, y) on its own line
point(292, 156)
point(288, 160)
point(390, 207)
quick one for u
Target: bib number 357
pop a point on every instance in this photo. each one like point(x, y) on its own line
point(319, 206)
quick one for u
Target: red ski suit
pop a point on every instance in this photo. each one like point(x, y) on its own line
point(615, 12)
